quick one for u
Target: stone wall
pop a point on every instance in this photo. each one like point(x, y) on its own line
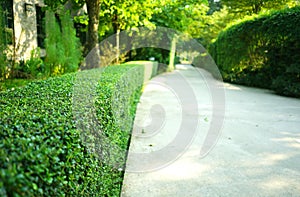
point(25, 27)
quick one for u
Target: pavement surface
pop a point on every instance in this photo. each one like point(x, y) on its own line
point(255, 153)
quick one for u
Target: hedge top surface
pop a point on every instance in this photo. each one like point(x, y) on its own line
point(41, 149)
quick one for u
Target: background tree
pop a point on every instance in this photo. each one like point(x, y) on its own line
point(93, 9)
point(183, 16)
point(63, 53)
point(250, 7)
point(214, 24)
point(118, 15)
point(214, 5)
point(224, 13)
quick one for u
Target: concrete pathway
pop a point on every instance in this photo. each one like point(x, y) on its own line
point(257, 151)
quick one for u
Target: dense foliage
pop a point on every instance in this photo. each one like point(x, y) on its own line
point(2, 47)
point(250, 7)
point(93, 10)
point(41, 149)
point(263, 52)
point(123, 87)
point(63, 53)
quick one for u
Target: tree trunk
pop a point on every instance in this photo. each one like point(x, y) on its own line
point(171, 65)
point(118, 46)
point(93, 9)
point(116, 28)
point(256, 8)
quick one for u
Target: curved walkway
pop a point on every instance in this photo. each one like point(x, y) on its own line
point(256, 154)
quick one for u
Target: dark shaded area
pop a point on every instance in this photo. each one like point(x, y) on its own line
point(262, 52)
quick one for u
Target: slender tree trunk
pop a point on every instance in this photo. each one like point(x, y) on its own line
point(93, 9)
point(172, 54)
point(118, 46)
point(116, 28)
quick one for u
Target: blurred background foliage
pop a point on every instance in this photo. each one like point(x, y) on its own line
point(207, 21)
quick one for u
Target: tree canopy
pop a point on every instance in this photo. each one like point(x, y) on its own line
point(202, 19)
point(255, 6)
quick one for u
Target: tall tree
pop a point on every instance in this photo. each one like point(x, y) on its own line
point(185, 16)
point(123, 15)
point(93, 9)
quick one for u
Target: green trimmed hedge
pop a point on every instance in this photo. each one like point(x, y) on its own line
point(262, 52)
point(41, 151)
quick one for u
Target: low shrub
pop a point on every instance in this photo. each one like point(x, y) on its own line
point(32, 68)
point(262, 52)
point(41, 148)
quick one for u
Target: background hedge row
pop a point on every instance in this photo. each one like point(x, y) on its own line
point(262, 52)
point(41, 149)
